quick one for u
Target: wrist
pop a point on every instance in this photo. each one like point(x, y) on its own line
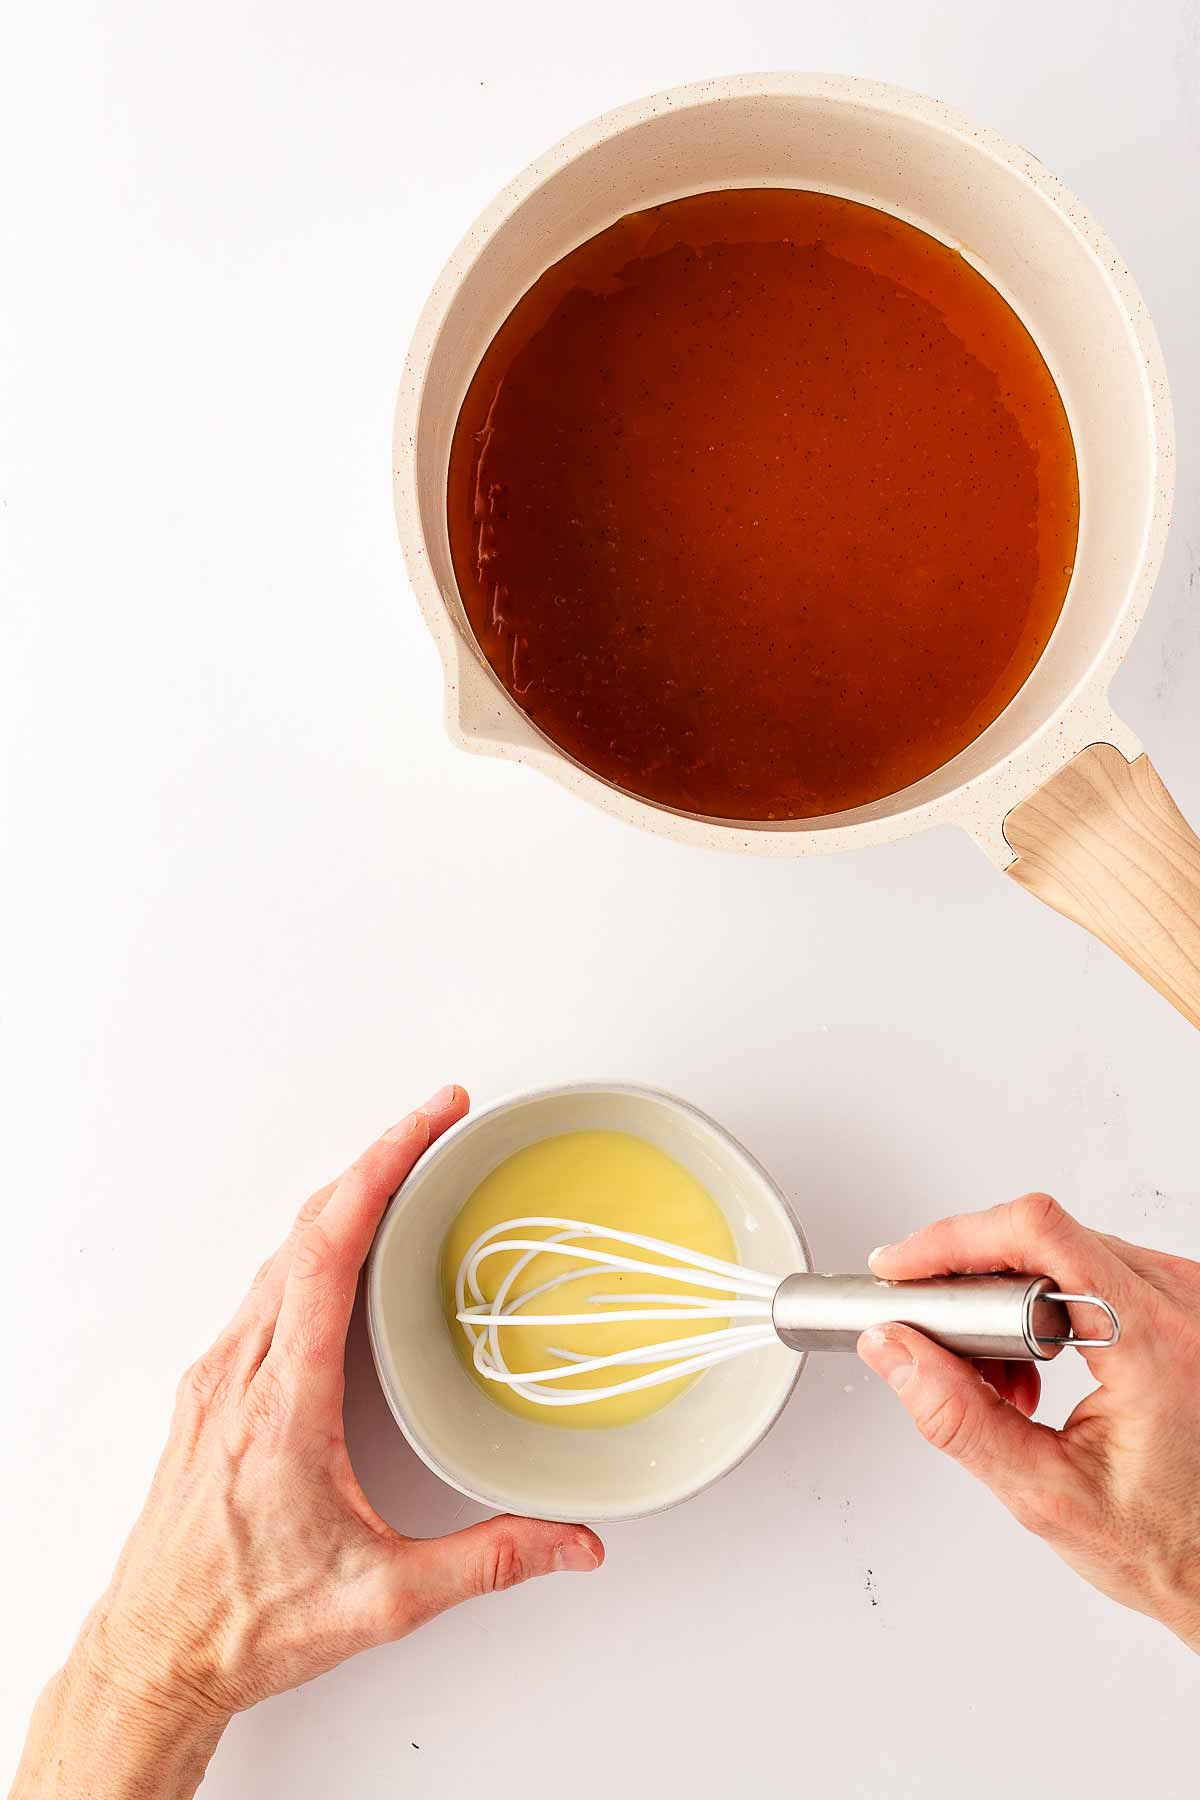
point(105, 1730)
point(147, 1671)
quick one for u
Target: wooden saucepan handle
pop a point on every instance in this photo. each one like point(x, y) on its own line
point(1104, 843)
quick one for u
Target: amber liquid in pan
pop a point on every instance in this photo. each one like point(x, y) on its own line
point(762, 504)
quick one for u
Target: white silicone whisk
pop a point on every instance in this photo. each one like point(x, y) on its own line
point(1008, 1316)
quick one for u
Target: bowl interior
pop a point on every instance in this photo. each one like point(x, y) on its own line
point(909, 156)
point(550, 1471)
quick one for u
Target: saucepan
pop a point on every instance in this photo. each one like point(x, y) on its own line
point(1057, 791)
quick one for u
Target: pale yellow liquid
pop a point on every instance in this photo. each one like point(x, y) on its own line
point(602, 1178)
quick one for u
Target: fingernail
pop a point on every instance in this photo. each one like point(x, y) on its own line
point(441, 1100)
point(576, 1557)
point(877, 1251)
point(407, 1127)
point(887, 1357)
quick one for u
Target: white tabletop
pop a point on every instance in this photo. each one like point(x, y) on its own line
point(256, 906)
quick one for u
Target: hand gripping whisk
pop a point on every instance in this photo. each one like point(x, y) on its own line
point(1014, 1317)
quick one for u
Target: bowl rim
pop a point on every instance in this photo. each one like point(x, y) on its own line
point(380, 1351)
point(980, 803)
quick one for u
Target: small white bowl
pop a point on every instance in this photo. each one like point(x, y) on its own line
point(546, 1471)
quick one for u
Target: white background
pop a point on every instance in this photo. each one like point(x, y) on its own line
point(256, 906)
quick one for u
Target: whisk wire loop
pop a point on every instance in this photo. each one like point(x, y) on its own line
point(728, 1293)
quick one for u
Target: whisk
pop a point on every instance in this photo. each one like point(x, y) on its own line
point(1014, 1317)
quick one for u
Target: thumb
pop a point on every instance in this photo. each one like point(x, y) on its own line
point(483, 1559)
point(956, 1410)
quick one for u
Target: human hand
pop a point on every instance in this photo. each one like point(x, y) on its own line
point(258, 1561)
point(1116, 1492)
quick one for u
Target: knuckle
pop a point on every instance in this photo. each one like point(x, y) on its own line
point(261, 1274)
point(500, 1565)
point(204, 1383)
point(952, 1425)
point(312, 1209)
point(1039, 1217)
point(314, 1252)
point(189, 1388)
point(266, 1407)
point(1035, 1511)
point(1050, 1513)
point(306, 1217)
point(394, 1618)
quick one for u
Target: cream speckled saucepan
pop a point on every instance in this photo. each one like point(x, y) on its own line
point(1057, 790)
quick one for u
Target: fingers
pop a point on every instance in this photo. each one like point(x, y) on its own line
point(253, 1324)
point(956, 1410)
point(269, 1280)
point(431, 1574)
point(1176, 1276)
point(322, 1270)
point(1017, 1382)
point(1035, 1236)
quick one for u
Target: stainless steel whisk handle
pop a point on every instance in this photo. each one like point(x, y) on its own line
point(1015, 1317)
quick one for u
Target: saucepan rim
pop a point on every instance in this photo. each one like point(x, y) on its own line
point(980, 803)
